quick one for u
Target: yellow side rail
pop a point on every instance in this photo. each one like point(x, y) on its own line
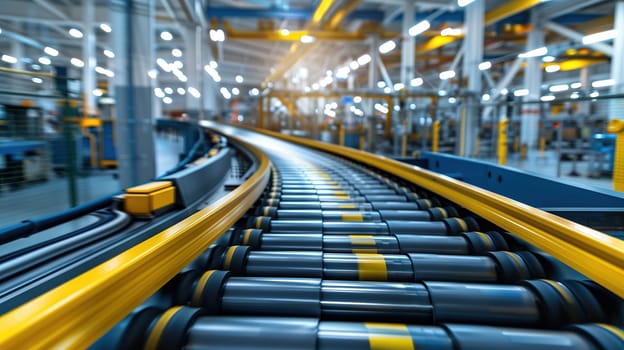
point(592, 253)
point(77, 313)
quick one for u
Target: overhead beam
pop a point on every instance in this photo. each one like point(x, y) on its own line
point(576, 36)
point(290, 14)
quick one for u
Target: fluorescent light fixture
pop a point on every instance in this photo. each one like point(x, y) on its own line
point(446, 75)
point(416, 82)
point(37, 80)
point(397, 108)
point(168, 90)
point(464, 3)
point(387, 89)
point(521, 92)
point(504, 91)
point(451, 31)
point(284, 32)
point(152, 73)
point(97, 92)
point(181, 91)
point(381, 108)
point(485, 65)
point(419, 28)
point(399, 86)
point(452, 100)
point(575, 95)
point(559, 88)
point(105, 27)
point(166, 36)
point(343, 72)
point(176, 53)
point(354, 65)
point(329, 72)
point(387, 47)
point(214, 64)
point(598, 37)
point(235, 91)
point(36, 67)
point(9, 59)
point(540, 51)
point(357, 99)
point(77, 62)
point(159, 93)
point(552, 68)
point(594, 94)
point(547, 98)
point(576, 85)
point(315, 86)
point(226, 94)
point(603, 83)
point(194, 92)
point(485, 97)
point(167, 100)
point(548, 59)
point(163, 65)
point(307, 39)
point(212, 72)
point(44, 60)
point(412, 106)
point(109, 54)
point(104, 71)
point(364, 59)
point(177, 64)
point(442, 93)
point(254, 92)
point(51, 51)
point(330, 113)
point(75, 33)
point(239, 79)
point(381, 84)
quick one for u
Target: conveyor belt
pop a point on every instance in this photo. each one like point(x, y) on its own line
point(335, 256)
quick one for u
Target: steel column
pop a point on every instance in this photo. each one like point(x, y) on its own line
point(616, 106)
point(532, 81)
point(89, 79)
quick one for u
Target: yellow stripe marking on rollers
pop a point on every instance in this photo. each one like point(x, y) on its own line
point(566, 295)
point(228, 257)
point(615, 330)
point(443, 212)
point(266, 211)
point(352, 217)
point(199, 289)
point(486, 239)
point(259, 222)
point(519, 263)
point(428, 202)
point(246, 236)
point(346, 206)
point(462, 223)
point(359, 240)
point(371, 267)
point(388, 336)
point(159, 328)
point(341, 196)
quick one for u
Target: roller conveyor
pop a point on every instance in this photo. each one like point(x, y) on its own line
point(338, 256)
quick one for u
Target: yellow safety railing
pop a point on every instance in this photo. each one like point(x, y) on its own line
point(592, 253)
point(77, 313)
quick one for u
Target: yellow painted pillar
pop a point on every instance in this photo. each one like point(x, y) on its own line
point(616, 126)
point(435, 136)
point(502, 141)
point(341, 134)
point(404, 140)
point(542, 146)
point(523, 151)
point(362, 132)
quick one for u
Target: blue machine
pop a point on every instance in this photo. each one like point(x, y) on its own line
point(604, 147)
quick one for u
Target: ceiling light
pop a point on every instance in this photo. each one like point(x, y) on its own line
point(106, 28)
point(307, 39)
point(77, 62)
point(176, 53)
point(315, 86)
point(75, 33)
point(594, 94)
point(419, 28)
point(36, 67)
point(521, 92)
point(464, 3)
point(446, 75)
point(485, 65)
point(485, 97)
point(575, 95)
point(239, 79)
point(547, 98)
point(194, 92)
point(109, 54)
point(235, 91)
point(166, 36)
point(97, 92)
point(254, 92)
point(540, 51)
point(387, 47)
point(504, 91)
point(357, 99)
point(226, 94)
point(178, 64)
point(387, 90)
point(452, 100)
point(552, 68)
point(284, 32)
point(168, 90)
point(167, 100)
point(163, 65)
point(598, 37)
point(37, 80)
point(603, 83)
point(214, 64)
point(442, 93)
point(354, 65)
point(364, 59)
point(51, 51)
point(399, 86)
point(576, 85)
point(181, 91)
point(159, 93)
point(152, 73)
point(381, 108)
point(9, 59)
point(451, 31)
point(416, 82)
point(549, 58)
point(559, 88)
point(44, 60)
point(381, 84)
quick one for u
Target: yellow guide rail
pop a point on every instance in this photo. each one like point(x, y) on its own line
point(594, 254)
point(77, 313)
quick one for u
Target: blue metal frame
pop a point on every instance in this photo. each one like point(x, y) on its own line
point(278, 13)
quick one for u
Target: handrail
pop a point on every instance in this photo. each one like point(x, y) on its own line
point(592, 253)
point(77, 313)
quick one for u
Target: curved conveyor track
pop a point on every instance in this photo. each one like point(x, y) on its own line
point(339, 256)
